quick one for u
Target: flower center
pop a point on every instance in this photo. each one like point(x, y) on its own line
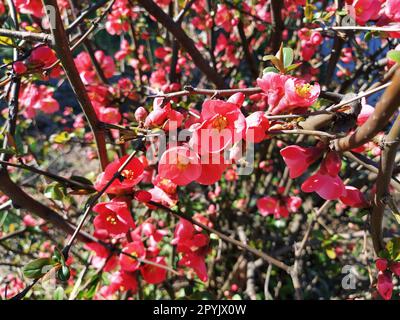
point(220, 123)
point(182, 163)
point(128, 174)
point(111, 219)
point(303, 90)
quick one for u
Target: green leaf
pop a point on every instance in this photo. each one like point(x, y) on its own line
point(8, 151)
point(293, 67)
point(63, 274)
point(288, 56)
point(394, 55)
point(37, 268)
point(59, 293)
point(270, 69)
point(393, 249)
point(54, 192)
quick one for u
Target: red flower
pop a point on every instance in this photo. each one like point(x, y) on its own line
point(381, 264)
point(298, 159)
point(194, 247)
point(134, 249)
point(326, 181)
point(196, 261)
point(131, 176)
point(385, 285)
point(280, 208)
point(395, 268)
point(153, 274)
point(353, 197)
point(223, 125)
point(257, 126)
point(180, 165)
point(114, 217)
point(104, 258)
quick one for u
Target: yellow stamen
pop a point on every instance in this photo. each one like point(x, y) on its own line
point(303, 90)
point(220, 123)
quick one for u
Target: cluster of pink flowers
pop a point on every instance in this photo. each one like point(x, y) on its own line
point(193, 245)
point(385, 280)
point(118, 21)
point(221, 126)
point(326, 181)
point(114, 223)
point(286, 93)
point(382, 11)
point(279, 206)
point(309, 42)
point(41, 57)
point(34, 98)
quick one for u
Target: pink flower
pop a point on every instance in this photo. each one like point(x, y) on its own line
point(273, 85)
point(113, 216)
point(223, 125)
point(193, 245)
point(33, 7)
point(86, 69)
point(19, 67)
point(104, 258)
point(223, 18)
point(381, 264)
point(366, 10)
point(123, 281)
point(257, 125)
point(385, 285)
point(35, 98)
point(298, 94)
point(196, 261)
point(365, 113)
point(180, 165)
point(326, 182)
point(153, 274)
point(279, 207)
point(353, 197)
point(212, 168)
point(392, 10)
point(140, 114)
point(165, 117)
point(132, 175)
point(395, 268)
point(109, 115)
point(130, 255)
point(298, 159)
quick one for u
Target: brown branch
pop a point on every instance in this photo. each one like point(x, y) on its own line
point(277, 25)
point(185, 41)
point(391, 145)
point(26, 35)
point(60, 44)
point(384, 110)
point(247, 53)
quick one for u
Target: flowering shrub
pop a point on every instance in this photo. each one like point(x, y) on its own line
point(158, 149)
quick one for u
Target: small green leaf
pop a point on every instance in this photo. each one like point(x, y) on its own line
point(288, 56)
point(59, 293)
point(37, 268)
point(394, 55)
point(293, 67)
point(54, 192)
point(63, 274)
point(270, 69)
